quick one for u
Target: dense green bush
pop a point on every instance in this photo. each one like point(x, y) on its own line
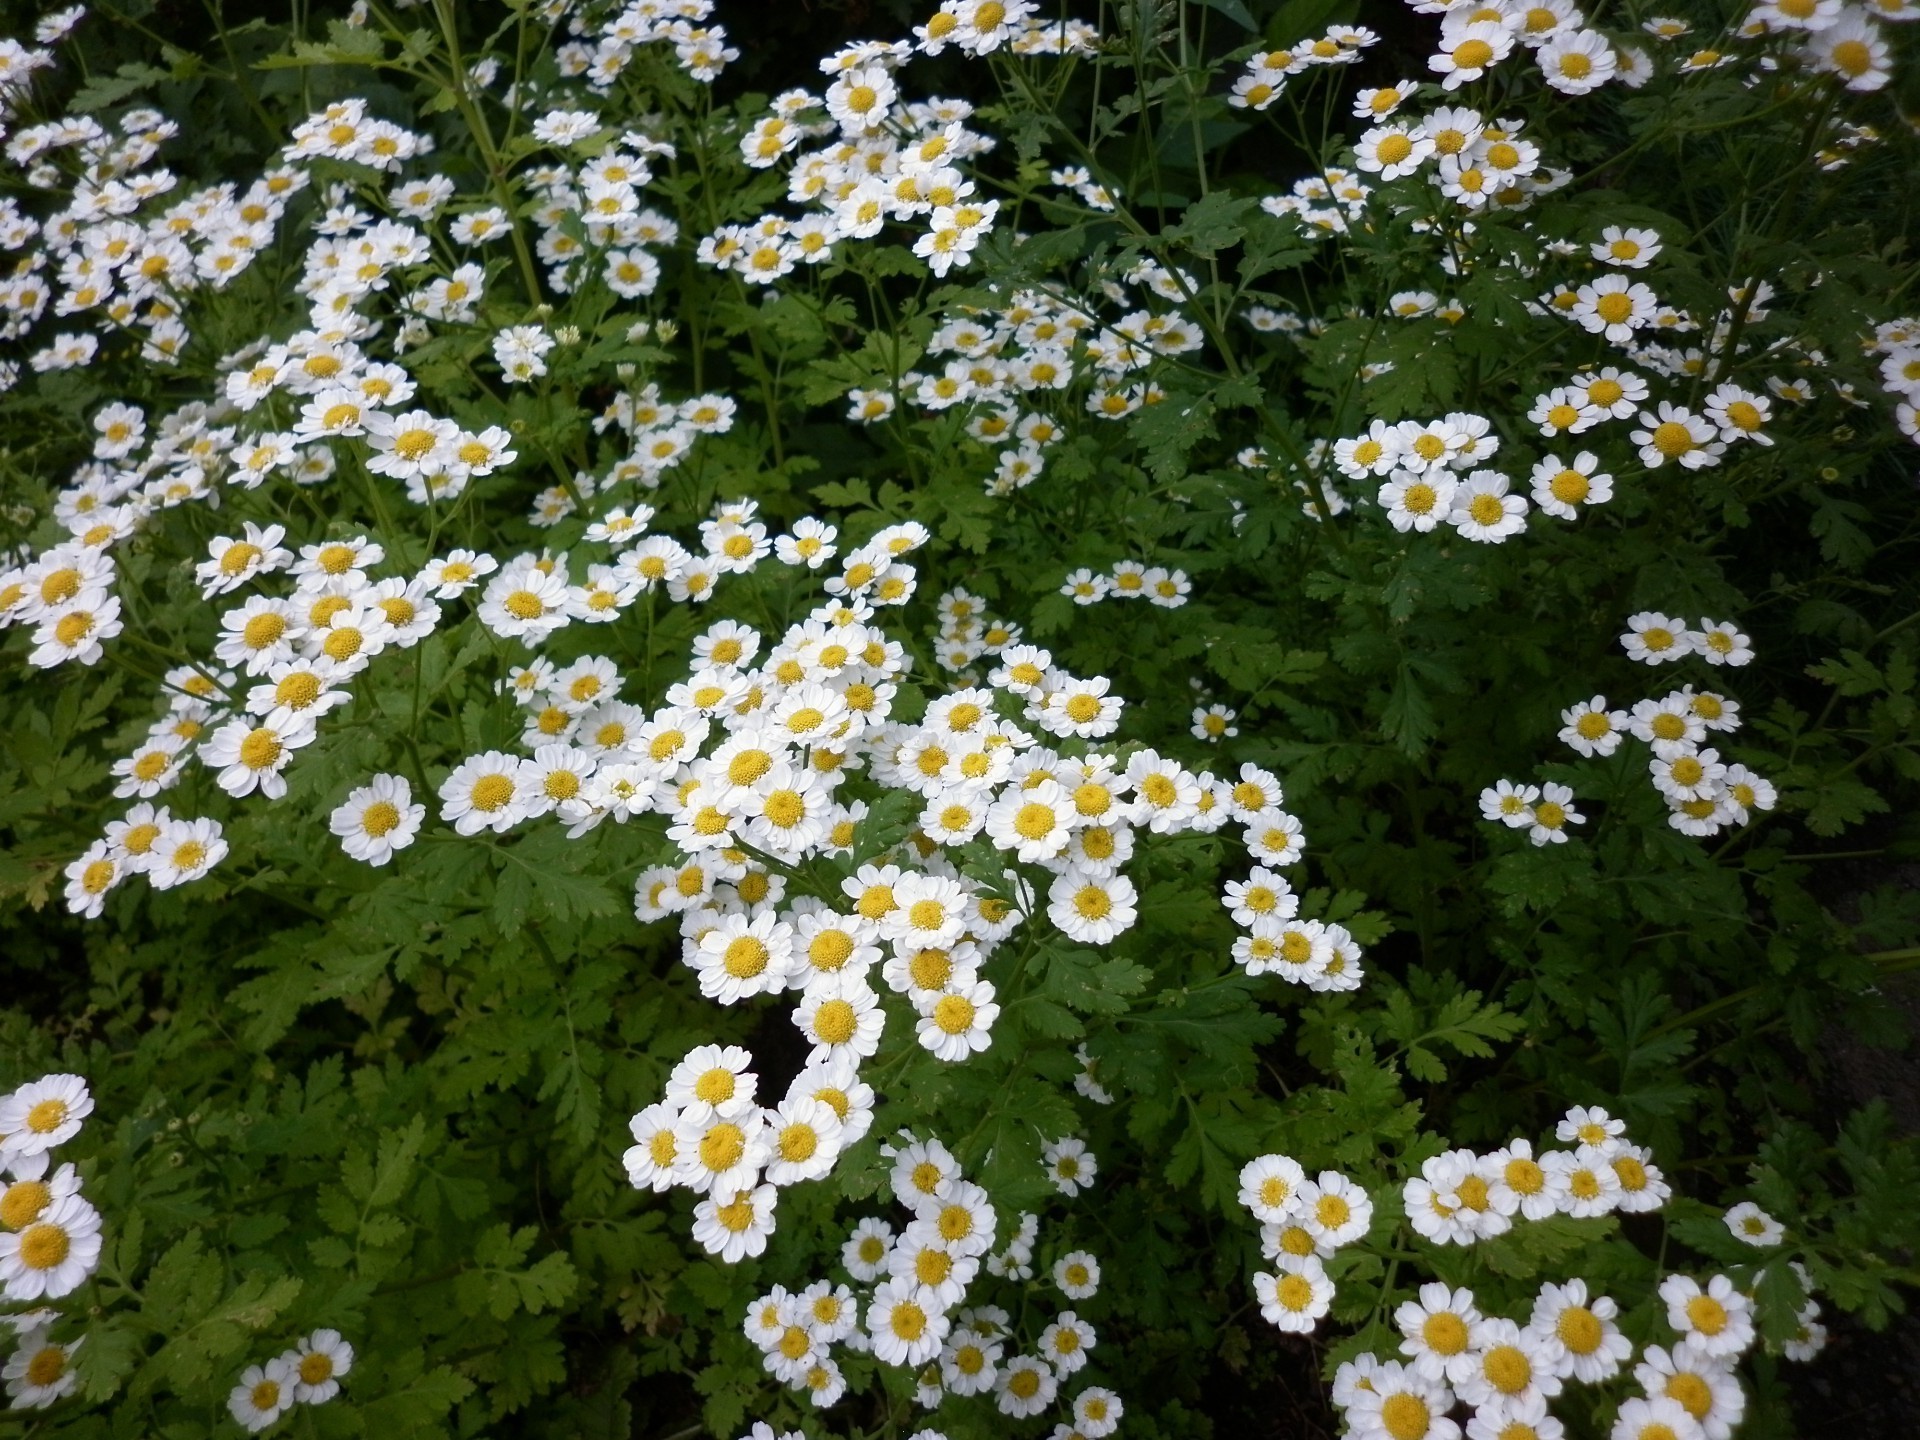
point(1130, 720)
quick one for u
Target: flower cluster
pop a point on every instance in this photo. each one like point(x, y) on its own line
point(1302, 1223)
point(49, 1235)
point(911, 1309)
point(1462, 1197)
point(308, 1374)
point(1129, 580)
point(1703, 793)
point(1506, 1371)
point(1267, 72)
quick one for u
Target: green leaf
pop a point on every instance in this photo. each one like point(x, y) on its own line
point(1535, 1247)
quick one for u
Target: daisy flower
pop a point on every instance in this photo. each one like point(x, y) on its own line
point(264, 1394)
point(377, 819)
point(1561, 487)
point(1591, 728)
point(1655, 639)
point(1069, 1165)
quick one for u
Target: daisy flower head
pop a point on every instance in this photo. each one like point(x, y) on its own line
point(1576, 62)
point(806, 1139)
point(234, 560)
point(1504, 1362)
point(1641, 1419)
point(265, 1392)
point(902, 1328)
point(39, 1372)
point(1585, 1180)
point(1065, 1343)
point(1396, 1400)
point(722, 1154)
point(184, 850)
point(735, 1226)
point(1592, 1349)
point(54, 1254)
point(1436, 1328)
point(1092, 908)
point(1656, 639)
point(865, 1251)
point(1561, 487)
point(1484, 511)
point(1069, 1165)
point(1517, 1182)
point(1214, 723)
point(1081, 709)
point(318, 1362)
point(90, 877)
point(1565, 410)
point(1334, 1210)
point(377, 819)
point(841, 1015)
point(1718, 642)
point(1077, 1275)
point(1296, 1296)
point(1471, 51)
point(1614, 307)
point(1704, 1386)
point(41, 1115)
point(1591, 728)
point(957, 1022)
point(1417, 502)
point(1393, 151)
point(741, 957)
point(1026, 1385)
point(1746, 792)
point(1740, 414)
point(485, 792)
point(1677, 434)
point(1852, 49)
point(1510, 804)
point(1751, 1225)
point(1716, 1319)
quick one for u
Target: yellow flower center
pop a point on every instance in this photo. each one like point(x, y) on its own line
point(492, 792)
point(43, 1247)
point(953, 1014)
point(745, 958)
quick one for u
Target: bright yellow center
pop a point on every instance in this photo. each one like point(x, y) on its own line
point(745, 958)
point(491, 792)
point(722, 1146)
point(43, 1247)
point(1672, 439)
point(953, 1014)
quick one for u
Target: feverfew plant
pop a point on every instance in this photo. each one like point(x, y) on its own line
point(706, 738)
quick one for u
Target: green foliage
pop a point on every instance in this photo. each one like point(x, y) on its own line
point(394, 1101)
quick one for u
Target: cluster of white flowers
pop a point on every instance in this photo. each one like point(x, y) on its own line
point(1302, 1224)
point(49, 1235)
point(891, 159)
point(1129, 580)
point(1275, 940)
point(1461, 1197)
point(1704, 794)
point(744, 761)
point(1506, 1372)
point(308, 1374)
point(1897, 343)
point(910, 1308)
point(1266, 73)
point(123, 253)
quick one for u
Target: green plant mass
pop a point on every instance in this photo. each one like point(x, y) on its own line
point(1153, 718)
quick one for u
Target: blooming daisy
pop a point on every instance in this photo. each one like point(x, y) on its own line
point(265, 1392)
point(377, 819)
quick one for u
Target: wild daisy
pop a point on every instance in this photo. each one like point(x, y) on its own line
point(377, 819)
